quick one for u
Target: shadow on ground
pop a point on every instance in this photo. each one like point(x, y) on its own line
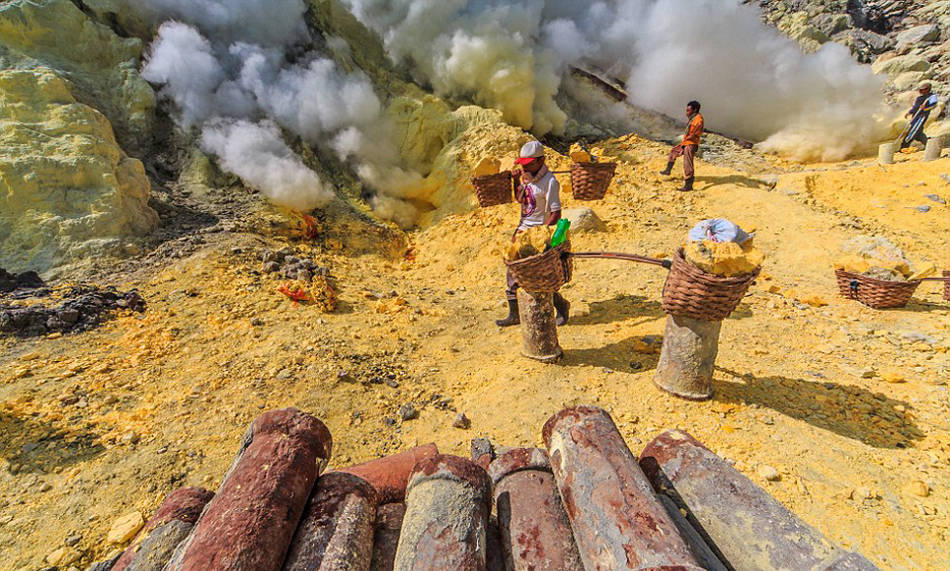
point(620, 308)
point(621, 356)
point(708, 182)
point(40, 447)
point(853, 412)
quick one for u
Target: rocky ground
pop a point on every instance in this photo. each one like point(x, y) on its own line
point(904, 39)
point(848, 405)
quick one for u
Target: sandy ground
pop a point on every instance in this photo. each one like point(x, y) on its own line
point(849, 404)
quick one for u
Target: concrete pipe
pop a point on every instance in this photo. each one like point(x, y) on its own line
point(535, 532)
point(750, 528)
point(885, 153)
point(447, 506)
point(249, 524)
point(336, 530)
point(538, 327)
point(390, 475)
point(933, 149)
point(617, 520)
point(688, 357)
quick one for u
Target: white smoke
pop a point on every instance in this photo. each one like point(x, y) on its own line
point(257, 153)
point(753, 82)
point(227, 69)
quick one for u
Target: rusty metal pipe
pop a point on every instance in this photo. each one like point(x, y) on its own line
point(174, 519)
point(617, 520)
point(390, 475)
point(535, 532)
point(447, 506)
point(386, 536)
point(750, 528)
point(249, 524)
point(336, 530)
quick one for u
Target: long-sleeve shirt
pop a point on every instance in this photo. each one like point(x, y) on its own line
point(925, 104)
point(694, 131)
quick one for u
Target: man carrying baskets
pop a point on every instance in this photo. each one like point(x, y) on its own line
point(687, 149)
point(539, 194)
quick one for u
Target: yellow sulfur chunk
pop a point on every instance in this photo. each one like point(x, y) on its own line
point(923, 271)
point(487, 166)
point(579, 155)
point(725, 259)
point(528, 243)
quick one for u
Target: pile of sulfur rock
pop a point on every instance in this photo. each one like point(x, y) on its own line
point(717, 246)
point(528, 243)
point(877, 257)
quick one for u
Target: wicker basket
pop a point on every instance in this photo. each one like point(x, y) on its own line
point(879, 294)
point(493, 189)
point(543, 272)
point(589, 181)
point(946, 286)
point(691, 292)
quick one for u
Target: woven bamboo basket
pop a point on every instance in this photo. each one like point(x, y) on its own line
point(691, 292)
point(946, 286)
point(544, 272)
point(589, 181)
point(878, 294)
point(493, 189)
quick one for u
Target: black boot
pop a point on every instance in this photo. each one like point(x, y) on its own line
point(668, 171)
point(513, 317)
point(563, 308)
point(687, 185)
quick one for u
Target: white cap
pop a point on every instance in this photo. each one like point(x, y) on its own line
point(532, 149)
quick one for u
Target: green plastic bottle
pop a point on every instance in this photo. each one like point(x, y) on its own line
point(560, 232)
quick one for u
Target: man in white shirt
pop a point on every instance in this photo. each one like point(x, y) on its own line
point(539, 194)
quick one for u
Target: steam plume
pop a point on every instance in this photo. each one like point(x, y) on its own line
point(753, 82)
point(226, 67)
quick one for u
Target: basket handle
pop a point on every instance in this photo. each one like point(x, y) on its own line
point(621, 256)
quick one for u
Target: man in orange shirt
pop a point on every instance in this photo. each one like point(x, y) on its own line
point(687, 149)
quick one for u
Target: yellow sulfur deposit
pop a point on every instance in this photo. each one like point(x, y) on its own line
point(724, 258)
point(487, 166)
point(528, 243)
point(579, 155)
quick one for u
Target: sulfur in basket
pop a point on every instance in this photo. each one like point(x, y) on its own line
point(874, 293)
point(493, 189)
point(544, 272)
point(691, 292)
point(589, 181)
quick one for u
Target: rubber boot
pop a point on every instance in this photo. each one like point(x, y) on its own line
point(513, 317)
point(668, 170)
point(563, 308)
point(687, 185)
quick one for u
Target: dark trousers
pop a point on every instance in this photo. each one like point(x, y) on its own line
point(920, 136)
point(687, 152)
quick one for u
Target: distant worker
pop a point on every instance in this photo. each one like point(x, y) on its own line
point(687, 149)
point(918, 115)
point(539, 194)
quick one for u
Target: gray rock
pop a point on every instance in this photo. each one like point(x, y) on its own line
point(461, 421)
point(935, 198)
point(269, 256)
point(918, 34)
point(900, 64)
point(923, 209)
point(304, 275)
point(408, 411)
point(104, 565)
point(270, 267)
